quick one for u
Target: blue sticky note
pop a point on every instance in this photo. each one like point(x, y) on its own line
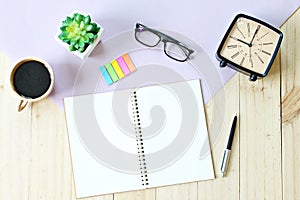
point(105, 75)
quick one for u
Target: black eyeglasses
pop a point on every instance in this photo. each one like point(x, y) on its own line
point(172, 47)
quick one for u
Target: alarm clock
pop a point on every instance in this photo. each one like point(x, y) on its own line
point(249, 46)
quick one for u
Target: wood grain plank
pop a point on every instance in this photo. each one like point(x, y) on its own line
point(50, 165)
point(227, 187)
point(186, 191)
point(291, 105)
point(15, 129)
point(148, 194)
point(290, 63)
point(260, 136)
point(103, 197)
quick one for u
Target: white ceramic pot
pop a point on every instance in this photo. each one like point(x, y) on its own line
point(89, 49)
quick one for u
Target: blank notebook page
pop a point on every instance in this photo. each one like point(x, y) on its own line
point(174, 129)
point(92, 116)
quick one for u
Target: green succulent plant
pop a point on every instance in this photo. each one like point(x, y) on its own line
point(79, 32)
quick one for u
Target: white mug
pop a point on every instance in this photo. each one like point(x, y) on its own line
point(31, 79)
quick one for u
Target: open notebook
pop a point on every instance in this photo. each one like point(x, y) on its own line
point(138, 138)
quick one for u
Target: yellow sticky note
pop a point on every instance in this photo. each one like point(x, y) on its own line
point(117, 69)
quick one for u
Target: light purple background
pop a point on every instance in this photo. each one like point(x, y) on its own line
point(28, 27)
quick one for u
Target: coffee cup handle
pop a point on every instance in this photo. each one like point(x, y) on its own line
point(22, 105)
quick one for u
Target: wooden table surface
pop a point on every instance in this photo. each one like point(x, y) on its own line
point(35, 158)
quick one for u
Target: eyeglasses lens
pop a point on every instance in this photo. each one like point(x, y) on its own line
point(147, 38)
point(175, 51)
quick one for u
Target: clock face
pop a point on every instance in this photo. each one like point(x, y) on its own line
point(251, 44)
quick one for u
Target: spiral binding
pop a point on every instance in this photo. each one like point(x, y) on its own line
point(139, 139)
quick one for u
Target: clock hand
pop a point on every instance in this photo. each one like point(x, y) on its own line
point(249, 53)
point(256, 31)
point(250, 57)
point(239, 40)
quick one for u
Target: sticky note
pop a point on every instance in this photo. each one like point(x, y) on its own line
point(117, 69)
point(129, 62)
point(112, 72)
point(105, 75)
point(123, 66)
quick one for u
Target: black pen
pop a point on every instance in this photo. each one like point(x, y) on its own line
point(226, 155)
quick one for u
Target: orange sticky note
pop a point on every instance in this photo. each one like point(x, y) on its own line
point(129, 62)
point(117, 69)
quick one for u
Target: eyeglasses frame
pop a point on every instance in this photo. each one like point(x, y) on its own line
point(165, 39)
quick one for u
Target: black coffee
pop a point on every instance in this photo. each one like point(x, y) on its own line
point(32, 79)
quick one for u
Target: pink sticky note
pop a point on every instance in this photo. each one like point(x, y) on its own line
point(123, 66)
